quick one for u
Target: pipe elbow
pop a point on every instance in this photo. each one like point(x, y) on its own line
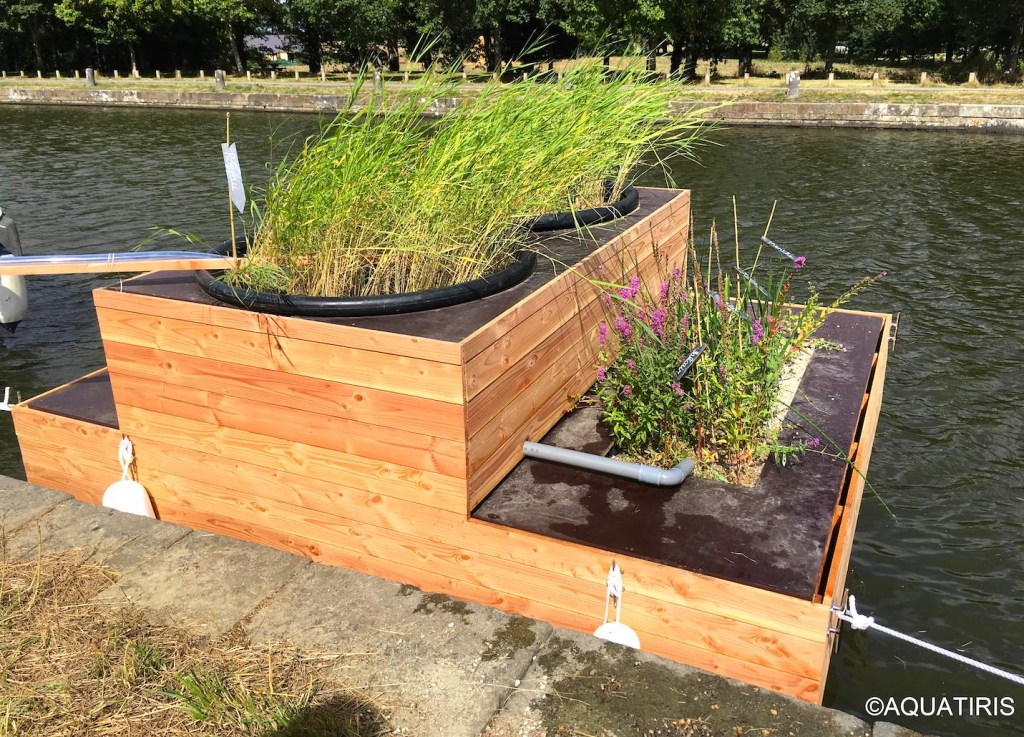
point(685, 468)
point(666, 476)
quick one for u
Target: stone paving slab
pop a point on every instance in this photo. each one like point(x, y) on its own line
point(206, 582)
point(115, 539)
point(439, 666)
point(22, 502)
point(581, 685)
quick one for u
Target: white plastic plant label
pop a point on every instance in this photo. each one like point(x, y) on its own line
point(234, 176)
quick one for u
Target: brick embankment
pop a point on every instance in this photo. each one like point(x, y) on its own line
point(927, 116)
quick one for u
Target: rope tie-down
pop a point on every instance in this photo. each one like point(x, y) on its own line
point(860, 621)
point(128, 495)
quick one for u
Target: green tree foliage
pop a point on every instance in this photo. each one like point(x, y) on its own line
point(235, 19)
point(698, 30)
point(750, 25)
point(449, 23)
point(817, 26)
point(501, 24)
point(317, 25)
point(118, 21)
point(986, 36)
point(28, 18)
point(613, 26)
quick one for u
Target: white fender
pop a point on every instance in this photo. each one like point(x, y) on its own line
point(13, 301)
point(13, 292)
point(128, 495)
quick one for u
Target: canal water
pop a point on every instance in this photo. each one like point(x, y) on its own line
point(943, 213)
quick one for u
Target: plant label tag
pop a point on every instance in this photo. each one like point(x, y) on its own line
point(750, 280)
point(735, 311)
point(769, 242)
point(234, 176)
point(691, 359)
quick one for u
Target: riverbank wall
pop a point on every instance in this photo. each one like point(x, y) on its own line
point(991, 118)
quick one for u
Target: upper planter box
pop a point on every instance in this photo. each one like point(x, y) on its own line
point(431, 407)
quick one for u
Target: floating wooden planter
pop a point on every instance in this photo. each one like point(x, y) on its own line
point(393, 445)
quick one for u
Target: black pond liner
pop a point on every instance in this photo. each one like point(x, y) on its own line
point(629, 201)
point(294, 305)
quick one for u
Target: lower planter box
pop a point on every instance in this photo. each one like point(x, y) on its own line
point(392, 445)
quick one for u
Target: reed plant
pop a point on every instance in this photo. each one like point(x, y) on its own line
point(381, 202)
point(724, 411)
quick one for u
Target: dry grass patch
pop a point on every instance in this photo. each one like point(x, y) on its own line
point(70, 666)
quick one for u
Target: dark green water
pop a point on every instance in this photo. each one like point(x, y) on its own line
point(943, 213)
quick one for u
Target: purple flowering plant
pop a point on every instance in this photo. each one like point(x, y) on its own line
point(725, 411)
point(644, 338)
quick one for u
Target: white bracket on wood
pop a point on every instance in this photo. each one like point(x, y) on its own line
point(894, 330)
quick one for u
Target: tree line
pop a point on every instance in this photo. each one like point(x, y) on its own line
point(985, 36)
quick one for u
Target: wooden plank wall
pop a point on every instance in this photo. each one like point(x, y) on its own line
point(72, 456)
point(236, 436)
point(744, 633)
point(525, 370)
point(379, 416)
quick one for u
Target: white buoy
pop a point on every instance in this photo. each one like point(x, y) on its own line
point(616, 631)
point(13, 292)
point(13, 300)
point(128, 495)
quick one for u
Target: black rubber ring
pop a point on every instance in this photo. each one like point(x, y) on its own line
point(629, 201)
point(387, 304)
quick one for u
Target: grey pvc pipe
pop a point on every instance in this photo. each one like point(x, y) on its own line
point(601, 464)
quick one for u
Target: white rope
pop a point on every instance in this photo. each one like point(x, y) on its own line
point(613, 591)
point(5, 406)
point(125, 456)
point(862, 622)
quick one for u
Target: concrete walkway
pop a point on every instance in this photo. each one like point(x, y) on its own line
point(434, 665)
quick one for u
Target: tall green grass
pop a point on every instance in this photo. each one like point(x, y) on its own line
point(383, 202)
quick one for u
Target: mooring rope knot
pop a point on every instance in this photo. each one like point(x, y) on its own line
point(861, 622)
point(857, 621)
point(125, 456)
point(615, 581)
